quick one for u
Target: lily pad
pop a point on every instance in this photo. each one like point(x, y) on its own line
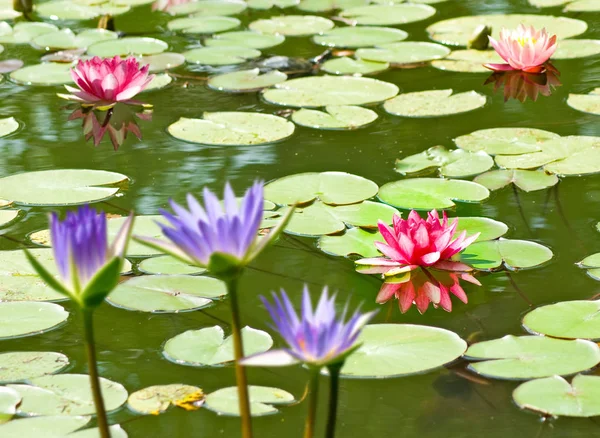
point(232, 128)
point(507, 253)
point(388, 15)
point(209, 347)
point(555, 396)
point(204, 25)
point(168, 265)
point(209, 8)
point(17, 366)
point(320, 91)
point(586, 103)
point(167, 293)
point(8, 125)
point(592, 264)
point(434, 103)
point(67, 394)
point(6, 10)
point(292, 25)
point(353, 37)
point(335, 117)
point(65, 39)
point(569, 319)
point(531, 357)
point(46, 73)
point(328, 5)
point(468, 61)
point(60, 186)
point(127, 46)
point(350, 66)
point(162, 61)
point(451, 163)
point(393, 350)
point(582, 6)
point(431, 193)
point(571, 49)
point(29, 318)
point(268, 4)
point(155, 400)
point(262, 398)
point(71, 10)
point(355, 241)
point(246, 81)
point(505, 141)
point(9, 399)
point(36, 427)
point(404, 53)
point(24, 32)
point(245, 38)
point(215, 56)
point(527, 180)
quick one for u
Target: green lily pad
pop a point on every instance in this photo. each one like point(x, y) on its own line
point(547, 3)
point(355, 241)
point(582, 6)
point(71, 10)
point(167, 293)
point(209, 8)
point(388, 15)
point(227, 55)
point(328, 5)
point(320, 91)
point(505, 141)
point(127, 46)
point(232, 128)
point(431, 193)
point(458, 31)
point(335, 117)
point(353, 37)
point(46, 73)
point(8, 125)
point(9, 399)
point(168, 265)
point(202, 24)
point(24, 32)
point(393, 350)
point(17, 366)
point(586, 103)
point(592, 264)
point(569, 319)
point(48, 427)
point(404, 53)
point(67, 394)
point(555, 396)
point(531, 357)
point(209, 347)
point(262, 398)
point(245, 38)
point(571, 49)
point(6, 10)
point(488, 228)
point(162, 61)
point(29, 318)
point(350, 66)
point(292, 25)
point(159, 81)
point(268, 4)
point(434, 103)
point(155, 400)
point(468, 61)
point(508, 253)
point(451, 163)
point(527, 180)
point(65, 39)
point(246, 81)
point(334, 188)
point(60, 186)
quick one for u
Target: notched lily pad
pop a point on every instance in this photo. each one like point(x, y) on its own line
point(216, 56)
point(292, 25)
point(580, 48)
point(246, 81)
point(569, 320)
point(526, 180)
point(168, 265)
point(18, 366)
point(468, 61)
point(355, 67)
point(354, 37)
point(203, 25)
point(335, 117)
point(586, 103)
point(245, 38)
point(434, 103)
point(66, 39)
point(155, 400)
point(508, 253)
point(46, 73)
point(388, 15)
point(451, 163)
point(263, 400)
point(404, 53)
point(128, 46)
point(505, 141)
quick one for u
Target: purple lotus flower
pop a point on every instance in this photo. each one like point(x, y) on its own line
point(315, 337)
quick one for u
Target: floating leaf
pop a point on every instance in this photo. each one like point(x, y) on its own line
point(505, 141)
point(155, 400)
point(47, 73)
point(404, 53)
point(353, 37)
point(245, 38)
point(209, 8)
point(431, 193)
point(8, 125)
point(36, 427)
point(17, 366)
point(349, 66)
point(220, 55)
point(388, 15)
point(571, 49)
point(292, 25)
point(434, 103)
point(393, 350)
point(71, 10)
point(468, 61)
point(209, 347)
point(29, 318)
point(9, 399)
point(127, 46)
point(336, 117)
point(162, 61)
point(225, 401)
point(582, 6)
point(268, 4)
point(569, 319)
point(587, 103)
point(512, 254)
point(159, 81)
point(329, 90)
point(6, 10)
point(65, 39)
point(328, 5)
point(24, 32)
point(167, 265)
point(531, 357)
point(67, 394)
point(231, 129)
point(167, 293)
point(527, 180)
point(354, 241)
point(453, 164)
point(204, 25)
point(246, 81)
point(592, 264)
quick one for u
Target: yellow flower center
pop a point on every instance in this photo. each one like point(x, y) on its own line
point(524, 40)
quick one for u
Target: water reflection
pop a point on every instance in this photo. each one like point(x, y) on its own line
point(117, 121)
point(521, 85)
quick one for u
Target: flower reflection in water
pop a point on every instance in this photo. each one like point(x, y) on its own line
point(521, 85)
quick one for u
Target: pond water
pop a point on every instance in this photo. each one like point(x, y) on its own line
point(449, 401)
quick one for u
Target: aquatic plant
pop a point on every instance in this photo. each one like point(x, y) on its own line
point(164, 5)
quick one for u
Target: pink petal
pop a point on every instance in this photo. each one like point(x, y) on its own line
point(387, 292)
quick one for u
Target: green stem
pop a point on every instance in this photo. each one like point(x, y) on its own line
point(90, 346)
point(334, 387)
point(313, 396)
point(240, 370)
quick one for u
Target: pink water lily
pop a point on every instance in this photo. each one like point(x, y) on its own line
point(165, 5)
point(107, 81)
point(523, 49)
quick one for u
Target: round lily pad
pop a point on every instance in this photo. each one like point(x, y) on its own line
point(353, 37)
point(232, 128)
point(555, 396)
point(268, 4)
point(328, 5)
point(246, 81)
point(505, 141)
point(6, 10)
point(168, 265)
point(434, 103)
point(210, 347)
point(203, 25)
point(8, 125)
point(262, 398)
point(586, 103)
point(209, 8)
point(487, 228)
point(393, 350)
point(451, 163)
point(335, 188)
point(67, 394)
point(17, 366)
point(65, 39)
point(335, 117)
point(431, 193)
point(329, 90)
point(571, 49)
point(71, 10)
point(582, 6)
point(292, 25)
point(350, 66)
point(167, 293)
point(508, 253)
point(36, 427)
point(531, 357)
point(159, 81)
point(468, 61)
point(458, 31)
point(245, 38)
point(60, 186)
point(388, 15)
point(227, 55)
point(527, 180)
point(127, 46)
point(355, 241)
point(162, 61)
point(46, 73)
point(569, 319)
point(9, 399)
point(28, 318)
point(24, 32)
point(404, 53)
point(157, 399)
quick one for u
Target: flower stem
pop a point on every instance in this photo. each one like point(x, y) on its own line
point(313, 396)
point(88, 326)
point(238, 348)
point(334, 387)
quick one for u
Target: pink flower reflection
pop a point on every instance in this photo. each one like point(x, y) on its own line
point(521, 85)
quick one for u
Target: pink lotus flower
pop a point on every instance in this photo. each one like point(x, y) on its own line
point(523, 49)
point(108, 81)
point(165, 5)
